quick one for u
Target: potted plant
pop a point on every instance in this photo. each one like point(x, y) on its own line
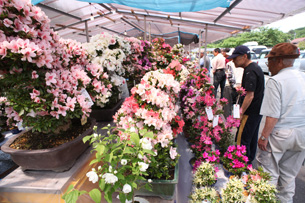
point(233, 192)
point(260, 190)
point(109, 52)
point(235, 160)
point(123, 166)
point(205, 175)
point(211, 157)
point(45, 87)
point(204, 195)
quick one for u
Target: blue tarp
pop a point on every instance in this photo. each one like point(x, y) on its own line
point(34, 2)
point(169, 5)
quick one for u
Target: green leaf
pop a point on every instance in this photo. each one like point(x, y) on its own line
point(93, 161)
point(149, 152)
point(135, 138)
point(102, 184)
point(96, 195)
point(100, 149)
point(129, 150)
point(72, 197)
point(149, 134)
point(143, 131)
point(134, 185)
point(148, 187)
point(122, 197)
point(85, 139)
point(120, 176)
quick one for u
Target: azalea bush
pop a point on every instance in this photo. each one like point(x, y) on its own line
point(233, 192)
point(100, 88)
point(204, 194)
point(197, 95)
point(235, 159)
point(44, 87)
point(139, 62)
point(109, 51)
point(152, 106)
point(124, 165)
point(205, 175)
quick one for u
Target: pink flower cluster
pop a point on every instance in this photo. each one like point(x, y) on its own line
point(52, 73)
point(139, 61)
point(235, 160)
point(152, 106)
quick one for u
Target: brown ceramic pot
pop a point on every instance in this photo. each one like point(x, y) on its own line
point(56, 159)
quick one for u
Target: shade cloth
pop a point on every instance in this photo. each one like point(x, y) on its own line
point(169, 5)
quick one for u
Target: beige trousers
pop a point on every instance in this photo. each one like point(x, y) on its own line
point(283, 160)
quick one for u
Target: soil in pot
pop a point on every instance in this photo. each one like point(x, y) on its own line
point(37, 140)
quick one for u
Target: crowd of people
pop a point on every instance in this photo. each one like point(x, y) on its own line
point(280, 148)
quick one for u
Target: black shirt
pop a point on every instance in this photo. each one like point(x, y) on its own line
point(254, 81)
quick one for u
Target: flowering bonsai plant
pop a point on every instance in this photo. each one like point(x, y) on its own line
point(124, 164)
point(109, 51)
point(235, 160)
point(152, 107)
point(139, 62)
point(205, 175)
point(43, 86)
point(204, 194)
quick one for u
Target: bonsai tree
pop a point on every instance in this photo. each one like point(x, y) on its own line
point(44, 87)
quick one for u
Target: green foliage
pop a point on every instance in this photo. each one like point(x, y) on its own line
point(301, 45)
point(297, 33)
point(264, 36)
point(122, 167)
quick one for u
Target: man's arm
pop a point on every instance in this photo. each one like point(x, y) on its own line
point(269, 125)
point(246, 103)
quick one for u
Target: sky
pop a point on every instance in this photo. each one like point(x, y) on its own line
point(289, 23)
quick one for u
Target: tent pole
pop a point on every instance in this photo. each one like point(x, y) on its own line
point(205, 48)
point(149, 32)
point(145, 28)
point(199, 47)
point(87, 33)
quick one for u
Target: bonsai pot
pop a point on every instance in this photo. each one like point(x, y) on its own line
point(160, 188)
point(56, 159)
point(105, 114)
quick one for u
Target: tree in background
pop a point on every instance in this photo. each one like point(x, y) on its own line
point(297, 33)
point(264, 36)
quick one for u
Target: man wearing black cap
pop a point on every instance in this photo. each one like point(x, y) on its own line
point(282, 143)
point(254, 83)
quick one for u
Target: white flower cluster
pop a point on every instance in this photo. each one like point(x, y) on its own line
point(109, 51)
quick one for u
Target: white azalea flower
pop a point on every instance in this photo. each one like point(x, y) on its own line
point(93, 177)
point(123, 162)
point(127, 188)
point(146, 144)
point(110, 178)
point(143, 166)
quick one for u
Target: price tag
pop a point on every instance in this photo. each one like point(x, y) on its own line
point(209, 112)
point(236, 112)
point(19, 125)
point(86, 94)
point(215, 120)
point(83, 120)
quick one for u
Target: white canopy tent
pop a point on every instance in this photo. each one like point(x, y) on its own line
point(71, 19)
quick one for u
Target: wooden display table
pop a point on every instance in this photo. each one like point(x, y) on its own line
point(45, 186)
